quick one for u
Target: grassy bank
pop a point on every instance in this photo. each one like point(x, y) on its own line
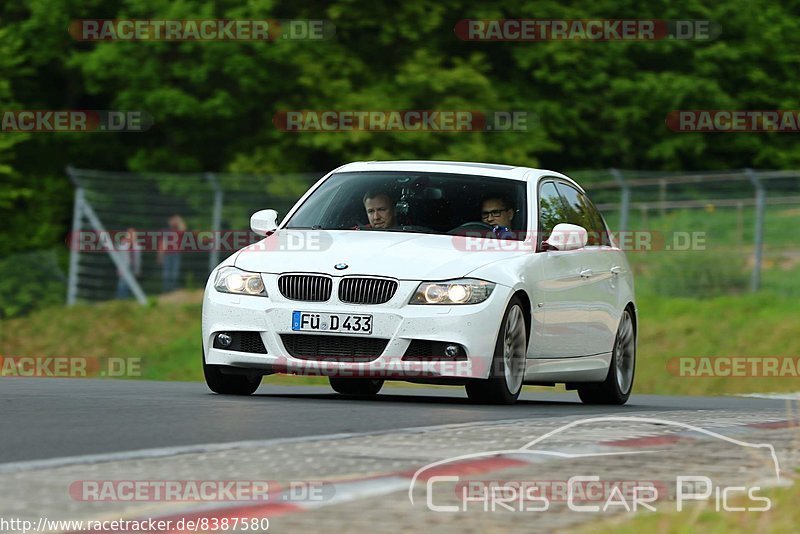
point(783, 516)
point(166, 336)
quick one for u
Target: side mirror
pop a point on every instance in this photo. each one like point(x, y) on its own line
point(567, 237)
point(264, 222)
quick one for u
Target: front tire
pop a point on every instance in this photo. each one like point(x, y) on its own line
point(364, 387)
point(617, 387)
point(225, 384)
point(508, 363)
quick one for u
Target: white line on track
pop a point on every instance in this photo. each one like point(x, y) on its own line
point(160, 452)
point(773, 396)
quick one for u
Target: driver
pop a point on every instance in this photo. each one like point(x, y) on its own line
point(497, 212)
point(380, 209)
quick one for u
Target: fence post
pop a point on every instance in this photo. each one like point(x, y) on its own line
point(758, 245)
point(74, 264)
point(625, 201)
point(216, 220)
point(739, 224)
point(115, 255)
point(662, 196)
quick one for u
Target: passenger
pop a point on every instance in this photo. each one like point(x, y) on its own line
point(497, 212)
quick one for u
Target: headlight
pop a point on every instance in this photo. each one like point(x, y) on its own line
point(239, 282)
point(464, 291)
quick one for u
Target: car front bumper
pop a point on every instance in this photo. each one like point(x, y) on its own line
point(473, 326)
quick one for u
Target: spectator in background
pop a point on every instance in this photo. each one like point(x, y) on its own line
point(131, 257)
point(169, 253)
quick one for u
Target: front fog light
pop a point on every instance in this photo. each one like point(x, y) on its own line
point(224, 340)
point(451, 351)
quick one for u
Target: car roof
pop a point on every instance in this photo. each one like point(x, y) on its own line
point(454, 167)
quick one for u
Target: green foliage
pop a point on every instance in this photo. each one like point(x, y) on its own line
point(30, 281)
point(694, 274)
point(167, 338)
point(598, 105)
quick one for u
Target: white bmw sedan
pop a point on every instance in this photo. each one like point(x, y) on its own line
point(479, 275)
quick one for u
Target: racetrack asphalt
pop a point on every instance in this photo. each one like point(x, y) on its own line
point(46, 418)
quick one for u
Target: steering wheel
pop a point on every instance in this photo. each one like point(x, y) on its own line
point(416, 228)
point(473, 225)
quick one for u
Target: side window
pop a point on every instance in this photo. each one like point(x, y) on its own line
point(551, 210)
point(582, 212)
point(598, 224)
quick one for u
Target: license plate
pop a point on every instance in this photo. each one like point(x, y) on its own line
point(331, 322)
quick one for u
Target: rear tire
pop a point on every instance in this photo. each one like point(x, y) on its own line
point(356, 386)
point(507, 372)
point(617, 387)
point(225, 384)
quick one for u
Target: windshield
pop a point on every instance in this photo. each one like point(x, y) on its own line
point(434, 203)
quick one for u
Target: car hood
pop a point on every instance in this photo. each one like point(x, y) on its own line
point(404, 256)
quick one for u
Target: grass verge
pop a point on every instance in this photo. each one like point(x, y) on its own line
point(166, 336)
point(783, 516)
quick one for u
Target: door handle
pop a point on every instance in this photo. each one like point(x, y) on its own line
point(586, 273)
point(616, 269)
